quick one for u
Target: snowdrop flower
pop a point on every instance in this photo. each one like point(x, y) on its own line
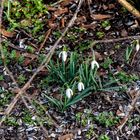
point(69, 93)
point(81, 86)
point(63, 54)
point(137, 46)
point(93, 64)
point(22, 45)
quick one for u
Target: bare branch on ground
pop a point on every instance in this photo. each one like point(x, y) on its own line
point(130, 8)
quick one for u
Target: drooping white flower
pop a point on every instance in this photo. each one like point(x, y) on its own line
point(93, 64)
point(69, 93)
point(63, 54)
point(22, 45)
point(81, 86)
point(137, 46)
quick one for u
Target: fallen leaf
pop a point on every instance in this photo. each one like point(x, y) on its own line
point(63, 22)
point(51, 9)
point(29, 55)
point(98, 56)
point(7, 33)
point(28, 58)
point(109, 6)
point(66, 137)
point(132, 93)
point(100, 16)
point(66, 2)
point(81, 19)
point(124, 33)
point(120, 113)
point(60, 12)
point(89, 26)
point(51, 24)
point(26, 62)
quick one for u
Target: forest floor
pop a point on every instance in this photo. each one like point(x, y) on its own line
point(34, 38)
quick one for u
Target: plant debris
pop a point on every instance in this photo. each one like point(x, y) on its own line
point(69, 69)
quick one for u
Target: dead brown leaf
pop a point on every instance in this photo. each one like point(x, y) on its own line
point(51, 24)
point(6, 33)
point(89, 26)
point(98, 56)
point(100, 16)
point(66, 2)
point(120, 113)
point(51, 9)
point(60, 12)
point(29, 55)
point(81, 19)
point(66, 137)
point(109, 6)
point(29, 58)
point(63, 22)
point(132, 93)
point(124, 33)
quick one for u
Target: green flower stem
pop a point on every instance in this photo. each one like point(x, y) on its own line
point(9, 9)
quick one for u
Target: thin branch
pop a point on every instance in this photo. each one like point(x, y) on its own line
point(46, 37)
point(132, 106)
point(30, 101)
point(115, 40)
point(27, 106)
point(130, 8)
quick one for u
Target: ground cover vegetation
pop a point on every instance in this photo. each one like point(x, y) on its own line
point(69, 69)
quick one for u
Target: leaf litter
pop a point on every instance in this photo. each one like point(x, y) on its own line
point(87, 119)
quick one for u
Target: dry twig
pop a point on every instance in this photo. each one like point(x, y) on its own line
point(131, 108)
point(130, 8)
point(115, 40)
point(46, 37)
point(27, 106)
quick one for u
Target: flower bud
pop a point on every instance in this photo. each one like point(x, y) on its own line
point(93, 64)
point(81, 86)
point(63, 54)
point(69, 93)
point(137, 46)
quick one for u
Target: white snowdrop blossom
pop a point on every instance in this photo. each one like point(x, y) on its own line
point(81, 86)
point(93, 64)
point(63, 54)
point(137, 46)
point(69, 93)
point(22, 45)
